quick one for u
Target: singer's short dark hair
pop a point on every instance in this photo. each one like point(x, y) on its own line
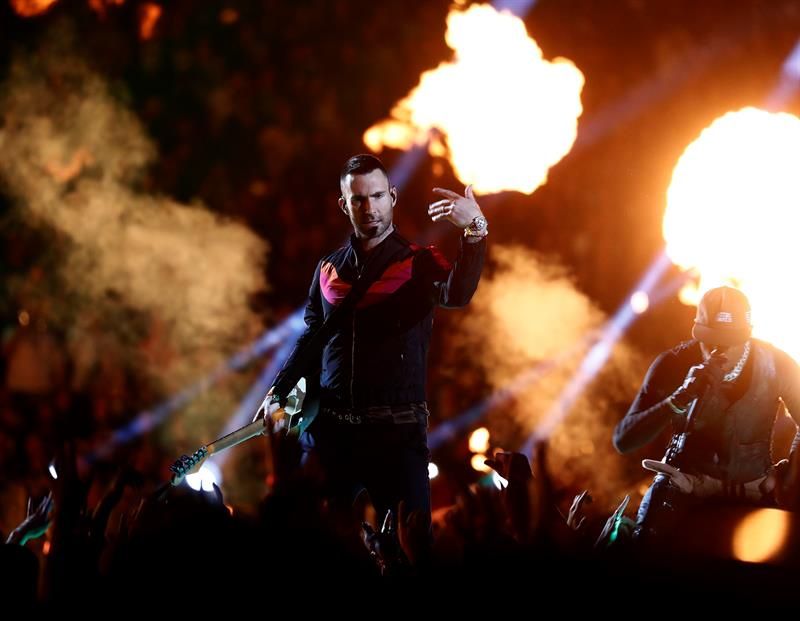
point(362, 164)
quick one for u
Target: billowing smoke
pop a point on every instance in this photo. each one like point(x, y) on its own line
point(530, 313)
point(154, 285)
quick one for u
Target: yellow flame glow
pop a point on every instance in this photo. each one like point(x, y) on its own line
point(761, 535)
point(733, 210)
point(505, 114)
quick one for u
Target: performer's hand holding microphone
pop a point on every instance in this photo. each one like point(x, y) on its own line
point(708, 374)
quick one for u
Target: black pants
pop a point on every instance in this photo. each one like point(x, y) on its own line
point(389, 460)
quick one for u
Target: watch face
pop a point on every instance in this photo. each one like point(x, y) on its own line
point(477, 228)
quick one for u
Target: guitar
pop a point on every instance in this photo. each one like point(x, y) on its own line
point(295, 417)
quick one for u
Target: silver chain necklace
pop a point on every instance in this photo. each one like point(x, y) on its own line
point(736, 371)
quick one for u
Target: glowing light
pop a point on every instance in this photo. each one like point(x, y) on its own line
point(52, 469)
point(433, 470)
point(100, 6)
point(31, 8)
point(46, 548)
point(732, 210)
point(479, 440)
point(791, 66)
point(149, 14)
point(258, 188)
point(501, 113)
point(477, 463)
point(640, 302)
point(205, 478)
point(499, 482)
point(761, 535)
point(788, 83)
point(24, 318)
point(228, 16)
point(66, 171)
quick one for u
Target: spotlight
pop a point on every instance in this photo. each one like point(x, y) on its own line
point(204, 479)
point(640, 302)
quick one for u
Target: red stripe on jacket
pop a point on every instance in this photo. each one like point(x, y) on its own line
point(334, 288)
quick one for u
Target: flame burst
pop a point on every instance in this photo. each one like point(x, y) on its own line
point(733, 210)
point(505, 115)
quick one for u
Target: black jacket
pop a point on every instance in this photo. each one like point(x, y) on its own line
point(377, 354)
point(732, 435)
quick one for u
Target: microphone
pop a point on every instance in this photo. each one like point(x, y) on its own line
point(717, 354)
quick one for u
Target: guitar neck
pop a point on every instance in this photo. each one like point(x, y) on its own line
point(187, 465)
point(256, 428)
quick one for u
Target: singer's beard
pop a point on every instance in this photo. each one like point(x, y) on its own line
point(371, 230)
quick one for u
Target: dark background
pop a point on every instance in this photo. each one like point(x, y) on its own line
point(254, 106)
